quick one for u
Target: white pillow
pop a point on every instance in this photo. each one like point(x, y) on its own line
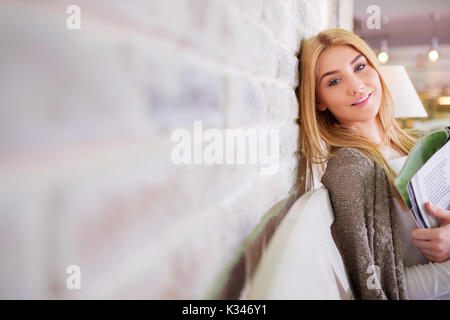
point(301, 260)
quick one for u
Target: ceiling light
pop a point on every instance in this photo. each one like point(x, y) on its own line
point(433, 53)
point(444, 100)
point(383, 55)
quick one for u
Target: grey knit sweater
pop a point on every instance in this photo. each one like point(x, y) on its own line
point(365, 228)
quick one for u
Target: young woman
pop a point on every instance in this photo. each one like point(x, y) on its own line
point(347, 122)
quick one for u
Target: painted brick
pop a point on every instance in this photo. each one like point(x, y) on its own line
point(86, 175)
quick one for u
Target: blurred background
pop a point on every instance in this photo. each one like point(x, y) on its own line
point(91, 204)
point(415, 34)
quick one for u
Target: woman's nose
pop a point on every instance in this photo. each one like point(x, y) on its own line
point(355, 86)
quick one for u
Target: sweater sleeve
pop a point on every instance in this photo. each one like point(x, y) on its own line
point(428, 281)
point(347, 191)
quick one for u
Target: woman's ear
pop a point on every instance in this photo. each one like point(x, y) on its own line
point(321, 107)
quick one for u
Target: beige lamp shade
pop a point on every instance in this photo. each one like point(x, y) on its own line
point(407, 103)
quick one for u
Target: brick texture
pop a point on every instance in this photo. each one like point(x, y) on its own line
point(86, 118)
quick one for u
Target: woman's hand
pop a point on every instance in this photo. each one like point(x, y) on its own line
point(434, 243)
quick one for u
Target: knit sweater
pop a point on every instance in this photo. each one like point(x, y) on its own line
point(365, 228)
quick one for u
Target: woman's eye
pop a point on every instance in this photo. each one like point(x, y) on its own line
point(360, 66)
point(336, 81)
point(332, 83)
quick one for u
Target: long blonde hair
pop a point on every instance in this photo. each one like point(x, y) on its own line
point(320, 131)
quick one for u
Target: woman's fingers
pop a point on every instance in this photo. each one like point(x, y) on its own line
point(430, 254)
point(433, 255)
point(428, 251)
point(426, 234)
point(430, 257)
point(442, 214)
point(424, 244)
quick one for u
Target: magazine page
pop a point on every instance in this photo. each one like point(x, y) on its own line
point(432, 184)
point(414, 209)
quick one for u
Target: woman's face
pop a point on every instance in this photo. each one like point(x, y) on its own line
point(344, 76)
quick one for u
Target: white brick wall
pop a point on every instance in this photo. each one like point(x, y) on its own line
point(85, 125)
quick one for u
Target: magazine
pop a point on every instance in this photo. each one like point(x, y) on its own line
point(425, 177)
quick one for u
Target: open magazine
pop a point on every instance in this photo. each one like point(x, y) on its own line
point(425, 177)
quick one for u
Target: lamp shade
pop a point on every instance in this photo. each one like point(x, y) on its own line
point(407, 103)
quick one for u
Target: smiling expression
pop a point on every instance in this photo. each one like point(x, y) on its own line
point(343, 77)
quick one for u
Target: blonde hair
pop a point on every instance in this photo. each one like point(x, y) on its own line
point(320, 131)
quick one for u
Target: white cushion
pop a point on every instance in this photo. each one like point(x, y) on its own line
point(301, 260)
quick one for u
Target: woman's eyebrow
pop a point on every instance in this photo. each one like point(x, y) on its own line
point(336, 71)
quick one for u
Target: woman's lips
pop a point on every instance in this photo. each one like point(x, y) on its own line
point(362, 103)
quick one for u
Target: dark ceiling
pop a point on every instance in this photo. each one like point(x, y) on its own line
point(405, 30)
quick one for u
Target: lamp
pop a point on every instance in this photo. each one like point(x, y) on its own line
point(433, 53)
point(407, 103)
point(444, 101)
point(383, 55)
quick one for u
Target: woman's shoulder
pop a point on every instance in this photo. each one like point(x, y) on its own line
point(349, 157)
point(349, 165)
point(350, 172)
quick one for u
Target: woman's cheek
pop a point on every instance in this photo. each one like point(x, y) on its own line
point(375, 79)
point(377, 101)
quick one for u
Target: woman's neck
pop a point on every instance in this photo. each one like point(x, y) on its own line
point(373, 131)
point(390, 153)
